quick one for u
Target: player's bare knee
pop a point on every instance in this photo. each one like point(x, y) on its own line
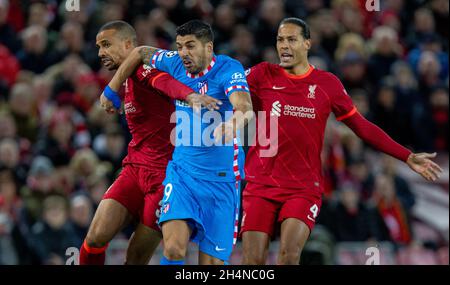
point(254, 259)
point(289, 256)
point(96, 238)
point(174, 251)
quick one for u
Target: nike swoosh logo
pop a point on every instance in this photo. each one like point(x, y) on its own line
point(278, 87)
point(311, 219)
point(219, 249)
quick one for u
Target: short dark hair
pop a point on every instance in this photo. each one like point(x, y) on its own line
point(201, 30)
point(124, 29)
point(306, 33)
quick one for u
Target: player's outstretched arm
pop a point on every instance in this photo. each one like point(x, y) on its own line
point(376, 137)
point(243, 113)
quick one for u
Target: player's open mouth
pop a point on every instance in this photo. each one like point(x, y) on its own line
point(106, 62)
point(187, 63)
point(286, 56)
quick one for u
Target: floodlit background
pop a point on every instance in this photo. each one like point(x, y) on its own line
point(59, 152)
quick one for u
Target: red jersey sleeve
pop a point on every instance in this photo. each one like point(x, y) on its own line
point(341, 103)
point(254, 75)
point(162, 81)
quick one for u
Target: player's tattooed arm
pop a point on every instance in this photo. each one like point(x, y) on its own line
point(139, 55)
point(146, 53)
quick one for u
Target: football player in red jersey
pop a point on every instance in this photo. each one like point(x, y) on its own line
point(287, 187)
point(136, 193)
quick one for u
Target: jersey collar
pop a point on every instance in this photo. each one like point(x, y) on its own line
point(301, 76)
point(210, 66)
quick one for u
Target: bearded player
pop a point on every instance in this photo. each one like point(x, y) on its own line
point(287, 187)
point(136, 193)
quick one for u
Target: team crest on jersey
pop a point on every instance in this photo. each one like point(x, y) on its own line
point(312, 91)
point(166, 208)
point(203, 87)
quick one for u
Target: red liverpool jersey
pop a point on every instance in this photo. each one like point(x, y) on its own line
point(148, 106)
point(301, 104)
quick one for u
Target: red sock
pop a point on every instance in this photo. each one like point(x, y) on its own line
point(92, 255)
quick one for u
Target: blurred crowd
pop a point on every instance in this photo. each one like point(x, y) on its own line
point(59, 151)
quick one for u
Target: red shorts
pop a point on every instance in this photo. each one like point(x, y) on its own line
point(264, 206)
point(140, 190)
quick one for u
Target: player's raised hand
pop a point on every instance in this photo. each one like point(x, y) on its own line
point(196, 101)
point(224, 132)
point(422, 164)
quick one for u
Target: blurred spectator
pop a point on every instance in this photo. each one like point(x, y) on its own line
point(9, 68)
point(40, 184)
point(8, 36)
point(39, 14)
point(84, 164)
point(387, 50)
point(67, 105)
point(145, 34)
point(71, 41)
point(224, 23)
point(87, 91)
point(430, 43)
point(424, 25)
point(35, 55)
point(390, 115)
point(242, 47)
point(429, 72)
point(53, 235)
point(270, 54)
point(361, 100)
point(265, 24)
point(440, 10)
point(392, 210)
point(352, 62)
point(406, 87)
point(81, 214)
point(439, 114)
point(9, 193)
point(22, 107)
point(7, 125)
point(66, 73)
point(361, 177)
point(111, 146)
point(10, 159)
point(8, 251)
point(161, 28)
point(177, 11)
point(353, 220)
point(58, 144)
point(349, 15)
point(402, 190)
point(8, 129)
point(43, 88)
point(328, 29)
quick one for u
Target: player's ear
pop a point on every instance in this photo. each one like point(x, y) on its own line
point(128, 44)
point(210, 47)
point(307, 44)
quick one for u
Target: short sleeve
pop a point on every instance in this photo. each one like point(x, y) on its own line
point(234, 79)
point(341, 103)
point(165, 60)
point(253, 75)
